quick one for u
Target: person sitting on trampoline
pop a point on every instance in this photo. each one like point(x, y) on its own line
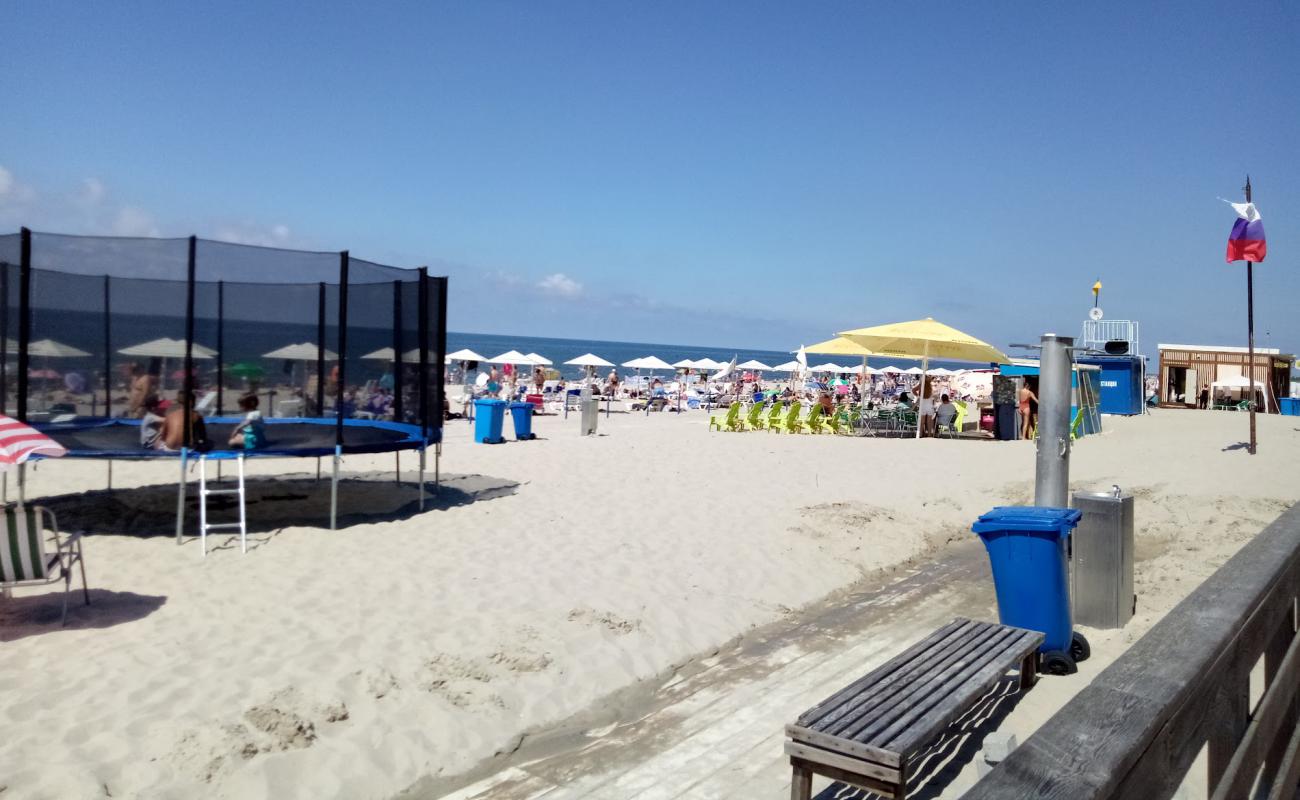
point(151, 424)
point(251, 433)
point(173, 428)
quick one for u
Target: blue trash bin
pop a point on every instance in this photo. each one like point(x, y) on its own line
point(1289, 406)
point(489, 419)
point(1027, 551)
point(522, 415)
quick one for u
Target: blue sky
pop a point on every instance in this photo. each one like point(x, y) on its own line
point(745, 174)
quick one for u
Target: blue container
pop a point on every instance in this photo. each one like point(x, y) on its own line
point(1030, 568)
point(522, 415)
point(489, 419)
point(1290, 406)
point(1121, 383)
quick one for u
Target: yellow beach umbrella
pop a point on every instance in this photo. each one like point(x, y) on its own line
point(924, 339)
point(839, 346)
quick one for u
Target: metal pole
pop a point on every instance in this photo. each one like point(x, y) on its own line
point(343, 347)
point(108, 348)
point(1052, 468)
point(180, 498)
point(4, 337)
point(320, 354)
point(24, 319)
point(398, 365)
point(421, 479)
point(334, 488)
point(22, 485)
point(422, 322)
point(1250, 336)
point(221, 356)
point(187, 385)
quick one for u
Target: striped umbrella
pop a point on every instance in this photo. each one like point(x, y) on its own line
point(18, 442)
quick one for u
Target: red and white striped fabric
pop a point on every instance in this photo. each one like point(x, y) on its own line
point(19, 441)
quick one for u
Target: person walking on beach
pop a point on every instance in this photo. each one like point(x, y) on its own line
point(1026, 418)
point(1203, 400)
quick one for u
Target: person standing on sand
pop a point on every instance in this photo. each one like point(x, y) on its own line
point(1026, 419)
point(1203, 401)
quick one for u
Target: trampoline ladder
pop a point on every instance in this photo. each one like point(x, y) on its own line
point(204, 492)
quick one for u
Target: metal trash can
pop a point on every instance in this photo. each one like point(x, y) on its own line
point(1101, 568)
point(489, 418)
point(590, 412)
point(522, 416)
point(1028, 556)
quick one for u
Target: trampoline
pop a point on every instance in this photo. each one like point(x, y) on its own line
point(93, 329)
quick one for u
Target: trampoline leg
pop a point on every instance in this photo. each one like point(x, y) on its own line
point(4, 489)
point(334, 489)
point(110, 474)
point(22, 485)
point(437, 468)
point(421, 480)
point(318, 469)
point(180, 497)
point(397, 468)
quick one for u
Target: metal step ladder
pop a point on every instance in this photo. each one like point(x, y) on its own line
point(204, 492)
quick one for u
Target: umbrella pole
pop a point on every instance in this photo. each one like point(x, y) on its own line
point(925, 367)
point(180, 498)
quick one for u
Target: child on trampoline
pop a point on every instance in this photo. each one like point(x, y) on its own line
point(251, 433)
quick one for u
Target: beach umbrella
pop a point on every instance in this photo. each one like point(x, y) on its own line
point(305, 351)
point(541, 361)
point(914, 371)
point(892, 370)
point(940, 371)
point(19, 442)
point(167, 348)
point(685, 363)
point(465, 355)
point(246, 369)
point(925, 339)
point(386, 354)
point(47, 348)
point(654, 362)
point(711, 365)
point(589, 360)
point(753, 364)
point(869, 370)
point(789, 366)
point(839, 346)
point(511, 357)
point(827, 367)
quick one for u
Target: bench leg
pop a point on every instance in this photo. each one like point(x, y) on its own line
point(1029, 671)
point(801, 783)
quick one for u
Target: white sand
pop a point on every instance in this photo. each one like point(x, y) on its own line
point(549, 574)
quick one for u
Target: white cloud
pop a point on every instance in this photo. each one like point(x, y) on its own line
point(6, 181)
point(561, 285)
point(132, 221)
point(92, 192)
point(249, 232)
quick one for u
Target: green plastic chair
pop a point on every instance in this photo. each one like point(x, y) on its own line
point(792, 423)
point(774, 416)
point(832, 422)
point(814, 419)
point(1077, 425)
point(729, 419)
point(754, 420)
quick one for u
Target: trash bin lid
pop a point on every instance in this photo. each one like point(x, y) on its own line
point(1027, 518)
point(520, 405)
point(489, 402)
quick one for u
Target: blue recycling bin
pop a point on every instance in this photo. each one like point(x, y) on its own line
point(489, 419)
point(1289, 406)
point(1027, 551)
point(522, 415)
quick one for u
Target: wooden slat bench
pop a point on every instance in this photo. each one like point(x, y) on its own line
point(864, 734)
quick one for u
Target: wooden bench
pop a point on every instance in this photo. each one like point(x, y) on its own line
point(865, 733)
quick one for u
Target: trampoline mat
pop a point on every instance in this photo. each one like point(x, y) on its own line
point(301, 437)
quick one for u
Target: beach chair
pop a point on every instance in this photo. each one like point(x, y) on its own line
point(832, 423)
point(729, 419)
point(25, 559)
point(754, 420)
point(814, 419)
point(790, 422)
point(774, 414)
point(1076, 425)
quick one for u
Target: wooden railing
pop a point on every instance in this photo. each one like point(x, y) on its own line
point(1135, 731)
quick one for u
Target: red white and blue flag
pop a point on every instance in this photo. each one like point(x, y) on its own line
point(1246, 242)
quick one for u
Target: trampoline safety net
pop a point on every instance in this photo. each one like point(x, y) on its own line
point(91, 327)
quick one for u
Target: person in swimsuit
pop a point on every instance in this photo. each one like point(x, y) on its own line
point(151, 425)
point(249, 434)
point(1026, 417)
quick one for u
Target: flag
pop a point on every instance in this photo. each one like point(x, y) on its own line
point(1246, 242)
point(1096, 288)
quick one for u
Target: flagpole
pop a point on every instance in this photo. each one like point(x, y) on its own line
point(1250, 335)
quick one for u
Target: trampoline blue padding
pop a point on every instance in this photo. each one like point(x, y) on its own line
point(302, 437)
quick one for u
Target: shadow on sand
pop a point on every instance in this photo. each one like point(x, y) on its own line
point(39, 614)
point(273, 503)
point(936, 767)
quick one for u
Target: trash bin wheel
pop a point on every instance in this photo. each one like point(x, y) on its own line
point(1079, 648)
point(1058, 662)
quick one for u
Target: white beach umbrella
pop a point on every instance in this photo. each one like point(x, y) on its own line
point(589, 360)
point(654, 362)
point(914, 371)
point(510, 357)
point(47, 348)
point(789, 366)
point(541, 361)
point(725, 371)
point(409, 357)
point(866, 370)
point(941, 372)
point(306, 351)
point(891, 370)
point(710, 364)
point(166, 348)
point(685, 363)
point(465, 355)
point(827, 367)
point(753, 364)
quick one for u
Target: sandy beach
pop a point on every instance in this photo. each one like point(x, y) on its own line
point(415, 652)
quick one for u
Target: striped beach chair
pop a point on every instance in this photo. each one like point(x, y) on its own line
point(26, 558)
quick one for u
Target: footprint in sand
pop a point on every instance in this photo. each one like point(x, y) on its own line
point(605, 619)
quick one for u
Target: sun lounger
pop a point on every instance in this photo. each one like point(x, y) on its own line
point(25, 559)
point(865, 734)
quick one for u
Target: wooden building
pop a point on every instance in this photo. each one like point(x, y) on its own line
point(1185, 368)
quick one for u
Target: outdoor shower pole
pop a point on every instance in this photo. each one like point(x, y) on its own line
point(1052, 472)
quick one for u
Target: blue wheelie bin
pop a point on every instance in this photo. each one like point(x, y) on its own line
point(522, 415)
point(1027, 551)
point(489, 419)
